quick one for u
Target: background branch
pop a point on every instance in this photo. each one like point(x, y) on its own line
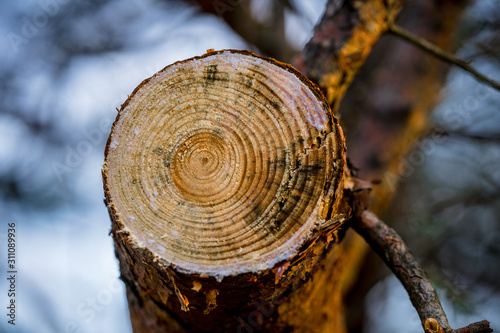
point(442, 54)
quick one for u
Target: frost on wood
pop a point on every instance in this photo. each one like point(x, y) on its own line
point(220, 171)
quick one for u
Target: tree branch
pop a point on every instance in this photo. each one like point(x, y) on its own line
point(442, 54)
point(396, 255)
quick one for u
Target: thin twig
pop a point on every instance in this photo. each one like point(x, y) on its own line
point(391, 248)
point(442, 54)
point(396, 255)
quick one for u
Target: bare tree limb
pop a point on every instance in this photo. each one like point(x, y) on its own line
point(393, 251)
point(479, 327)
point(442, 54)
point(341, 43)
point(494, 137)
point(396, 255)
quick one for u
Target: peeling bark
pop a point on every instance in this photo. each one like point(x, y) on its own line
point(391, 248)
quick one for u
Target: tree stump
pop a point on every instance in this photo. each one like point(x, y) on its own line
point(224, 179)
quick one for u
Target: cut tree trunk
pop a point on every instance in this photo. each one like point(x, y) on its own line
point(225, 179)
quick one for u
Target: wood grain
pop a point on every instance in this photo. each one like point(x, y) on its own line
point(224, 164)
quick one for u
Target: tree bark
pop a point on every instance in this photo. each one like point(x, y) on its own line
point(383, 113)
point(224, 178)
point(299, 292)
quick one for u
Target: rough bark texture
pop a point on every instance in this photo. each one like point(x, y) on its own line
point(162, 300)
point(383, 112)
point(268, 37)
point(171, 285)
point(391, 248)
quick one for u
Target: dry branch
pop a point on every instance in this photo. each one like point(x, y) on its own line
point(386, 108)
point(442, 54)
point(342, 41)
point(393, 251)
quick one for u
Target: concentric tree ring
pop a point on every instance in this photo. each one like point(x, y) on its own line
point(224, 163)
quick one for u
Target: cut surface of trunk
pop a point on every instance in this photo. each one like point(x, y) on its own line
point(223, 177)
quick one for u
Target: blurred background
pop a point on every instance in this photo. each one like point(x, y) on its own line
point(65, 66)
